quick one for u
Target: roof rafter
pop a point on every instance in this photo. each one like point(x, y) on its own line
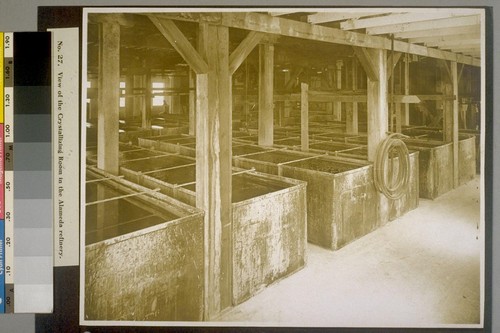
point(439, 32)
point(393, 19)
point(280, 13)
point(436, 39)
point(465, 48)
point(325, 17)
point(451, 43)
point(425, 25)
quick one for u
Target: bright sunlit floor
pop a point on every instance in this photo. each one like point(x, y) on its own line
point(422, 269)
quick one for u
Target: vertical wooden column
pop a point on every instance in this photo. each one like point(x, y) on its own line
point(447, 112)
point(129, 98)
point(139, 99)
point(173, 83)
point(406, 114)
point(94, 102)
point(352, 108)
point(329, 108)
point(337, 106)
point(377, 102)
point(398, 116)
point(213, 165)
point(351, 118)
point(266, 77)
point(148, 101)
point(108, 98)
point(454, 77)
point(192, 103)
point(304, 116)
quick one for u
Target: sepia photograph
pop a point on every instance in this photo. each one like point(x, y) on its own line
point(290, 167)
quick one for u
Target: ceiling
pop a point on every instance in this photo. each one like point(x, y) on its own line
point(456, 30)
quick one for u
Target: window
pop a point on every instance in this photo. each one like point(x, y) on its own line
point(123, 92)
point(158, 100)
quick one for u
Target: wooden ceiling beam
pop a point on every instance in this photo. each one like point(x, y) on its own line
point(465, 49)
point(393, 19)
point(180, 43)
point(280, 13)
point(473, 53)
point(439, 32)
point(443, 38)
point(455, 43)
point(325, 17)
point(434, 53)
point(453, 22)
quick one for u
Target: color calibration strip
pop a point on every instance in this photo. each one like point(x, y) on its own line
point(2, 200)
point(33, 249)
point(8, 72)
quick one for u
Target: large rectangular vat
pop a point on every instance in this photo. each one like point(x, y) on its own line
point(341, 200)
point(376, 209)
point(268, 222)
point(435, 167)
point(436, 164)
point(144, 257)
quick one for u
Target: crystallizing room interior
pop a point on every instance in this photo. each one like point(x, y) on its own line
point(300, 167)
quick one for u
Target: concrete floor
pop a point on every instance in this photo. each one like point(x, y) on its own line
point(420, 270)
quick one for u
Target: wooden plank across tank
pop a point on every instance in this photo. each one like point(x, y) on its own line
point(144, 258)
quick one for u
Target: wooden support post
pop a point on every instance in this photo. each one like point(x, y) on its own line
point(139, 101)
point(454, 76)
point(288, 109)
point(148, 101)
point(448, 115)
point(129, 99)
point(94, 103)
point(329, 108)
point(109, 98)
point(337, 106)
point(406, 117)
point(337, 111)
point(192, 103)
point(377, 106)
point(351, 110)
point(398, 117)
point(266, 76)
point(304, 116)
point(280, 113)
point(173, 83)
point(213, 165)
